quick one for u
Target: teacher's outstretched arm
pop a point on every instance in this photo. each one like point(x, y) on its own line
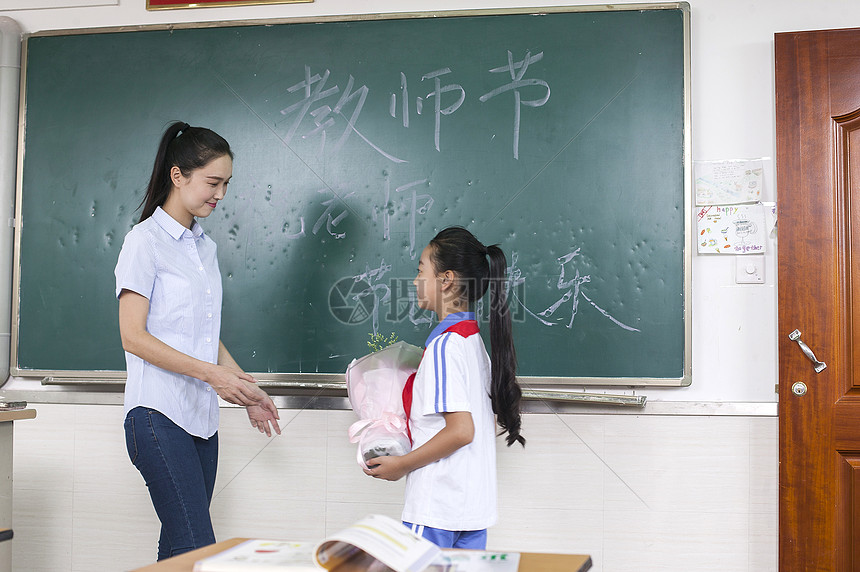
point(232, 385)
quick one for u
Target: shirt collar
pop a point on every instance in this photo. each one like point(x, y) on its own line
point(172, 226)
point(449, 321)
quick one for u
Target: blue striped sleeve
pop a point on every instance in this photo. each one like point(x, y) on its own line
point(441, 370)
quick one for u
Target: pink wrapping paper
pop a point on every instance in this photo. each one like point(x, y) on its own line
point(374, 385)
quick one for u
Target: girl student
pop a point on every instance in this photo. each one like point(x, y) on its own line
point(169, 289)
point(451, 470)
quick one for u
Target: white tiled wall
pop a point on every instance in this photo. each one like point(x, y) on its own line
point(636, 492)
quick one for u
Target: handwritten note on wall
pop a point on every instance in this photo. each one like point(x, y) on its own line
point(728, 182)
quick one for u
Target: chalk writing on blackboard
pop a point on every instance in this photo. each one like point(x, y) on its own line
point(327, 218)
point(403, 304)
point(377, 289)
point(436, 94)
point(327, 112)
point(415, 204)
point(411, 200)
point(324, 116)
point(298, 234)
point(517, 70)
point(516, 282)
point(384, 210)
point(573, 293)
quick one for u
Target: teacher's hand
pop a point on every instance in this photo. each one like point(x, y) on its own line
point(235, 386)
point(262, 415)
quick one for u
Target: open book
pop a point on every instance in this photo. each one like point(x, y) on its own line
point(375, 542)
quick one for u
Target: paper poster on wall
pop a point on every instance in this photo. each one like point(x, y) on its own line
point(728, 182)
point(731, 229)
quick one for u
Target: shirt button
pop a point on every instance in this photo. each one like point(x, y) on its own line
point(209, 315)
point(208, 291)
point(208, 389)
point(199, 268)
point(208, 340)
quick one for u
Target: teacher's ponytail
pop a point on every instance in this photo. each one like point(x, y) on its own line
point(182, 146)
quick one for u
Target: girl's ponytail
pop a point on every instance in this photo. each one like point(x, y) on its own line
point(185, 147)
point(457, 249)
point(505, 392)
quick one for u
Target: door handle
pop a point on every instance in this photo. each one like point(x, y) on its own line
point(819, 365)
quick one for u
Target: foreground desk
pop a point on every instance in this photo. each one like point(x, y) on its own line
point(529, 561)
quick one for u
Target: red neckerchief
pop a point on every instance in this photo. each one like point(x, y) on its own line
point(465, 328)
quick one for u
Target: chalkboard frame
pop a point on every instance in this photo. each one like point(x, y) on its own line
point(324, 380)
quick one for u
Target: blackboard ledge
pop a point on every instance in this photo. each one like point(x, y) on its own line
point(326, 381)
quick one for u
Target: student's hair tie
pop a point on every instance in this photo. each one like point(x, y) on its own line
point(183, 129)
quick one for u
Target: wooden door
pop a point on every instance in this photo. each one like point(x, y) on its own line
point(818, 190)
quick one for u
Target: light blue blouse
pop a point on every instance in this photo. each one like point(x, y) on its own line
point(176, 269)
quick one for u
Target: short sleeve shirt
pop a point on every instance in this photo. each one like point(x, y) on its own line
point(176, 269)
point(459, 491)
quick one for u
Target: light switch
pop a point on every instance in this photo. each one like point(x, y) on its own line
point(749, 269)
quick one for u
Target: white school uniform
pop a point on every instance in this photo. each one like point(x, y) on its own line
point(459, 491)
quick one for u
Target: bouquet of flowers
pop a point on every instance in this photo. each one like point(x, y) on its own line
point(374, 385)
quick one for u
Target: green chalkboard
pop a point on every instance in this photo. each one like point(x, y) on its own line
point(562, 136)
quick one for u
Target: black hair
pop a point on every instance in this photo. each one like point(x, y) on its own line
point(182, 146)
point(457, 249)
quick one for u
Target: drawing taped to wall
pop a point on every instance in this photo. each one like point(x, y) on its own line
point(731, 229)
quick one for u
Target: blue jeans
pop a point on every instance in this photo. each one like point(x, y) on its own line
point(179, 470)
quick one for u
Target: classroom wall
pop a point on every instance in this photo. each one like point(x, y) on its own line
point(637, 493)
